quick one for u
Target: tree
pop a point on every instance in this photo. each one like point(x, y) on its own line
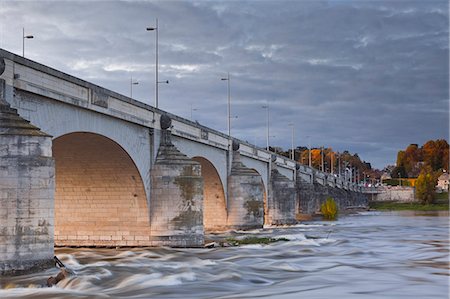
point(425, 185)
point(434, 153)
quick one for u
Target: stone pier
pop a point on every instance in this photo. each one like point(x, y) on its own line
point(26, 193)
point(176, 209)
point(281, 203)
point(245, 195)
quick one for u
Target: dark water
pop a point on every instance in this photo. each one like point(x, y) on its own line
point(369, 255)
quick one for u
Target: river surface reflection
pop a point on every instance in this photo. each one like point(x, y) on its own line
point(367, 255)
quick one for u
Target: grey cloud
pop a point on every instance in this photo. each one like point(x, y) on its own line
point(367, 76)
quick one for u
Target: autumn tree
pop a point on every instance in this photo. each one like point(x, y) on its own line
point(425, 185)
point(331, 160)
point(434, 153)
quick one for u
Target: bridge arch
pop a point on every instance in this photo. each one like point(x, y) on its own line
point(100, 198)
point(214, 204)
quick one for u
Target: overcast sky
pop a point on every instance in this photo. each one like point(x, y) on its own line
point(367, 76)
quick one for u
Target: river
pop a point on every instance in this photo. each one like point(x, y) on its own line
point(365, 255)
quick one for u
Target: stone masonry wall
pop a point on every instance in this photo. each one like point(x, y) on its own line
point(214, 206)
point(281, 202)
point(245, 197)
point(26, 200)
point(100, 198)
point(311, 196)
point(176, 211)
point(26, 193)
point(396, 193)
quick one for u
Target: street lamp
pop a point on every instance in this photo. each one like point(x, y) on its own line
point(267, 140)
point(229, 104)
point(23, 40)
point(332, 162)
point(292, 141)
point(321, 156)
point(192, 109)
point(309, 151)
point(131, 86)
point(339, 164)
point(156, 63)
point(346, 170)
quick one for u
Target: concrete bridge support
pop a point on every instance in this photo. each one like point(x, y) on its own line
point(245, 195)
point(26, 193)
point(281, 202)
point(176, 210)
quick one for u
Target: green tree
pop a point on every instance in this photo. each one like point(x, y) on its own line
point(425, 185)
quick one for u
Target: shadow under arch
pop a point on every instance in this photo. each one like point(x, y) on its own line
point(266, 206)
point(100, 198)
point(214, 204)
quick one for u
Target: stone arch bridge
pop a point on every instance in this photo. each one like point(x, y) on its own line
point(85, 166)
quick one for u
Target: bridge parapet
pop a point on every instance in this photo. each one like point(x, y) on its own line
point(28, 76)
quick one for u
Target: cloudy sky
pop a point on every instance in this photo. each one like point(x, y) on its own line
point(367, 76)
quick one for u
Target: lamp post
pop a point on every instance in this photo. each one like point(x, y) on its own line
point(229, 104)
point(332, 162)
point(309, 151)
point(346, 170)
point(267, 139)
point(23, 40)
point(156, 63)
point(192, 109)
point(321, 156)
point(292, 142)
point(131, 86)
point(339, 165)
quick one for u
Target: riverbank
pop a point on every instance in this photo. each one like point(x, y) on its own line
point(441, 204)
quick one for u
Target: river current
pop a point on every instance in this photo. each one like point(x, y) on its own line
point(365, 255)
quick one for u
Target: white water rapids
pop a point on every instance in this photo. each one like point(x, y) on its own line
point(368, 255)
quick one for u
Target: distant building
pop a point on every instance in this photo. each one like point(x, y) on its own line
point(442, 184)
point(385, 176)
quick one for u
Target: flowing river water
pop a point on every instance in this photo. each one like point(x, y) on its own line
point(365, 255)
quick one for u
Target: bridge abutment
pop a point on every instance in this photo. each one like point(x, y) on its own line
point(176, 208)
point(245, 196)
point(26, 193)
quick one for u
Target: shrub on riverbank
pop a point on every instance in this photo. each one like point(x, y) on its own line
point(329, 209)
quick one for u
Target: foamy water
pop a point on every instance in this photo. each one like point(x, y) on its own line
point(375, 255)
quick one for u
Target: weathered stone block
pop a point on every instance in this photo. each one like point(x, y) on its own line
point(176, 209)
point(281, 202)
point(26, 194)
point(245, 197)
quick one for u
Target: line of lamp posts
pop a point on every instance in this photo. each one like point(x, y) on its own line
point(350, 174)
